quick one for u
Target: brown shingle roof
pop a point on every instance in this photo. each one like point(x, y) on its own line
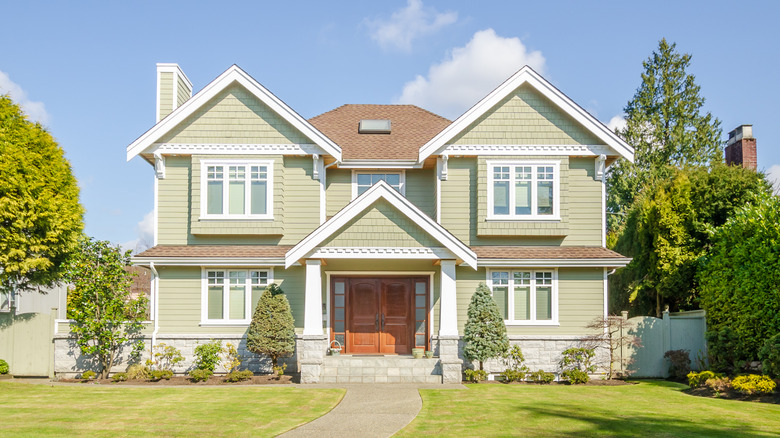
point(545, 252)
point(411, 128)
point(215, 251)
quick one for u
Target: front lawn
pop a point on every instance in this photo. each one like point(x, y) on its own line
point(91, 410)
point(650, 408)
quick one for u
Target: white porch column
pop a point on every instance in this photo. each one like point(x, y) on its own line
point(312, 320)
point(448, 314)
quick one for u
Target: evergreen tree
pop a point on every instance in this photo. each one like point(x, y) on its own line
point(485, 332)
point(40, 215)
point(668, 231)
point(272, 331)
point(666, 127)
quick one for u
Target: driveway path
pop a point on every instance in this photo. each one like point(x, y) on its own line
point(368, 410)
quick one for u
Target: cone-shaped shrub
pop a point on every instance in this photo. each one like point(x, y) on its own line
point(485, 333)
point(272, 331)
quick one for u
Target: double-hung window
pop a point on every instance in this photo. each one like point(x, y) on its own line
point(237, 189)
point(231, 295)
point(520, 190)
point(525, 296)
point(362, 181)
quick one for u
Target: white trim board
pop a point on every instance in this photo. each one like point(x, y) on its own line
point(234, 74)
point(210, 261)
point(526, 75)
point(381, 190)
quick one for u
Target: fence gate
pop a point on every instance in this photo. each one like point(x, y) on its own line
point(26, 343)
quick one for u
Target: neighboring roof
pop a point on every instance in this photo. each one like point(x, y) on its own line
point(551, 255)
point(527, 75)
point(231, 75)
point(381, 190)
point(411, 127)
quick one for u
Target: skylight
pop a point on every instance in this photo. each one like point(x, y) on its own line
point(368, 126)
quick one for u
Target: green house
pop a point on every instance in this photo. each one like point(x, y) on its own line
point(378, 222)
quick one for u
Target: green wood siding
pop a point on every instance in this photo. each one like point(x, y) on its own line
point(525, 117)
point(420, 190)
point(338, 190)
point(381, 225)
point(235, 116)
point(180, 300)
point(173, 202)
point(580, 205)
point(182, 91)
point(166, 94)
point(580, 300)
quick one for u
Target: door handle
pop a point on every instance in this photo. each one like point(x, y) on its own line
point(383, 322)
point(376, 322)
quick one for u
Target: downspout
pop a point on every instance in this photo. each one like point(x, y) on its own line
point(155, 302)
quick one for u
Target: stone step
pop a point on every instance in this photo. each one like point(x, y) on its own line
point(381, 379)
point(380, 369)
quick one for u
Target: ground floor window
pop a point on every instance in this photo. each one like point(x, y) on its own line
point(231, 295)
point(525, 296)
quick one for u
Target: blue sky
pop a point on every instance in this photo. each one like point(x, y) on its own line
point(86, 70)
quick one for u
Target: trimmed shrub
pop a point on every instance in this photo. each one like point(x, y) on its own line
point(279, 370)
point(119, 377)
point(541, 377)
point(575, 364)
point(753, 384)
point(696, 380)
point(485, 332)
point(272, 330)
point(232, 359)
point(724, 347)
point(770, 356)
point(207, 355)
point(138, 372)
point(88, 375)
point(513, 375)
point(160, 375)
point(4, 367)
point(718, 384)
point(575, 377)
point(164, 357)
point(475, 376)
point(200, 375)
point(679, 363)
point(516, 370)
point(239, 376)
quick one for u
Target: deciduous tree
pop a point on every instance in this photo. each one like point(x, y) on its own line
point(106, 317)
point(40, 215)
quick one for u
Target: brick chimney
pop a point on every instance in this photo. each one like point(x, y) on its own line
point(741, 148)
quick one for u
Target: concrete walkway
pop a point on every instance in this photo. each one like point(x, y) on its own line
point(368, 410)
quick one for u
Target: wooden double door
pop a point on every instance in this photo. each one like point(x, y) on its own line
point(379, 314)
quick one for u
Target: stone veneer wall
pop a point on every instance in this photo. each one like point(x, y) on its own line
point(68, 360)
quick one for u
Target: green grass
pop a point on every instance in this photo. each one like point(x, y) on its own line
point(91, 410)
point(651, 408)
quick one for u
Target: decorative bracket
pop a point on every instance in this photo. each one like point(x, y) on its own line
point(159, 165)
point(443, 167)
point(316, 166)
point(600, 164)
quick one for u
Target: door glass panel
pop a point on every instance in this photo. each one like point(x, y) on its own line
point(339, 301)
point(420, 288)
point(419, 314)
point(339, 313)
point(419, 339)
point(419, 301)
point(339, 326)
point(339, 288)
point(340, 339)
point(420, 327)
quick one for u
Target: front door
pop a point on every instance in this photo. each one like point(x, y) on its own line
point(378, 314)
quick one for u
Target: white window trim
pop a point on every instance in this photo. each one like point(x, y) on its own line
point(534, 216)
point(400, 173)
point(511, 296)
point(204, 164)
point(225, 322)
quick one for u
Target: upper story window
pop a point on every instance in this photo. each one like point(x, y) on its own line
point(524, 190)
point(231, 295)
point(525, 297)
point(237, 189)
point(362, 181)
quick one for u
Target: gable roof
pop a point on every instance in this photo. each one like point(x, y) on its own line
point(411, 127)
point(234, 74)
point(381, 190)
point(527, 75)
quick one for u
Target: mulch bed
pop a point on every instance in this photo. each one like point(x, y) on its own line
point(594, 382)
point(734, 395)
point(185, 381)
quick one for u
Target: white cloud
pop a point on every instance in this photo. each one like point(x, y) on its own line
point(407, 24)
point(773, 176)
point(35, 110)
point(469, 73)
point(616, 122)
point(145, 232)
